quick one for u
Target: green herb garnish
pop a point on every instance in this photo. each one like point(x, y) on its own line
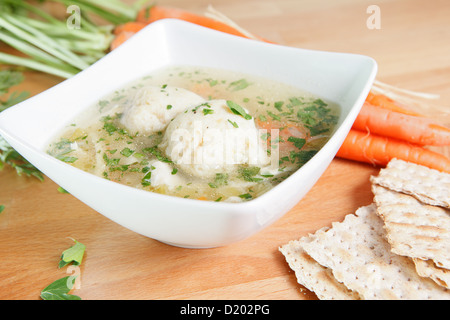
point(221, 179)
point(238, 85)
point(61, 149)
point(302, 157)
point(73, 255)
point(157, 153)
point(207, 111)
point(110, 161)
point(9, 156)
point(126, 152)
point(212, 82)
point(234, 124)
point(246, 196)
point(146, 180)
point(278, 105)
point(237, 109)
point(8, 79)
point(317, 117)
point(298, 142)
point(249, 173)
point(62, 190)
point(273, 116)
point(67, 159)
point(59, 290)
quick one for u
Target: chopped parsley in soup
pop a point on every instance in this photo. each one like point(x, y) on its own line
point(199, 133)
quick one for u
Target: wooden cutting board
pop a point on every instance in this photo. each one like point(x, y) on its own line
point(412, 49)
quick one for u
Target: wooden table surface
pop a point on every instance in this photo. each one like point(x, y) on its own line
point(412, 49)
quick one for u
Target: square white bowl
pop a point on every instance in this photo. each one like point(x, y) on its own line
point(29, 127)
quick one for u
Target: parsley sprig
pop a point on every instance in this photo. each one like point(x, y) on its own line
point(9, 79)
point(59, 289)
point(9, 156)
point(237, 109)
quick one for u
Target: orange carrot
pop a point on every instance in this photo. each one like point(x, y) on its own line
point(154, 13)
point(387, 103)
point(120, 39)
point(132, 26)
point(367, 147)
point(124, 32)
point(401, 126)
point(286, 130)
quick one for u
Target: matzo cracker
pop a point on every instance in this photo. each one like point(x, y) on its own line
point(427, 268)
point(359, 256)
point(313, 276)
point(414, 229)
point(427, 185)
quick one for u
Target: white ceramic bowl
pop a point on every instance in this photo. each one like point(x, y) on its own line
point(29, 126)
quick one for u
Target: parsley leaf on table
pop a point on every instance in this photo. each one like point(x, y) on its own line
point(59, 290)
point(72, 255)
point(9, 156)
point(8, 79)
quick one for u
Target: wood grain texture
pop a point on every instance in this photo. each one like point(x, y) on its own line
point(412, 49)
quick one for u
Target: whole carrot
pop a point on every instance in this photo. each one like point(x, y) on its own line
point(154, 13)
point(120, 38)
point(383, 101)
point(125, 31)
point(370, 148)
point(132, 26)
point(414, 129)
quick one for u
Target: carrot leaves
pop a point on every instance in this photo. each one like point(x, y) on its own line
point(56, 46)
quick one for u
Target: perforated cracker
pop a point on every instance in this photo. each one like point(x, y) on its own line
point(313, 276)
point(414, 229)
point(427, 185)
point(359, 256)
point(427, 268)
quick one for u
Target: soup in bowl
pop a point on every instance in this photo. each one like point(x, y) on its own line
point(199, 133)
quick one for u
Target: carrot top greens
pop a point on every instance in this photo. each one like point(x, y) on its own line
point(50, 45)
